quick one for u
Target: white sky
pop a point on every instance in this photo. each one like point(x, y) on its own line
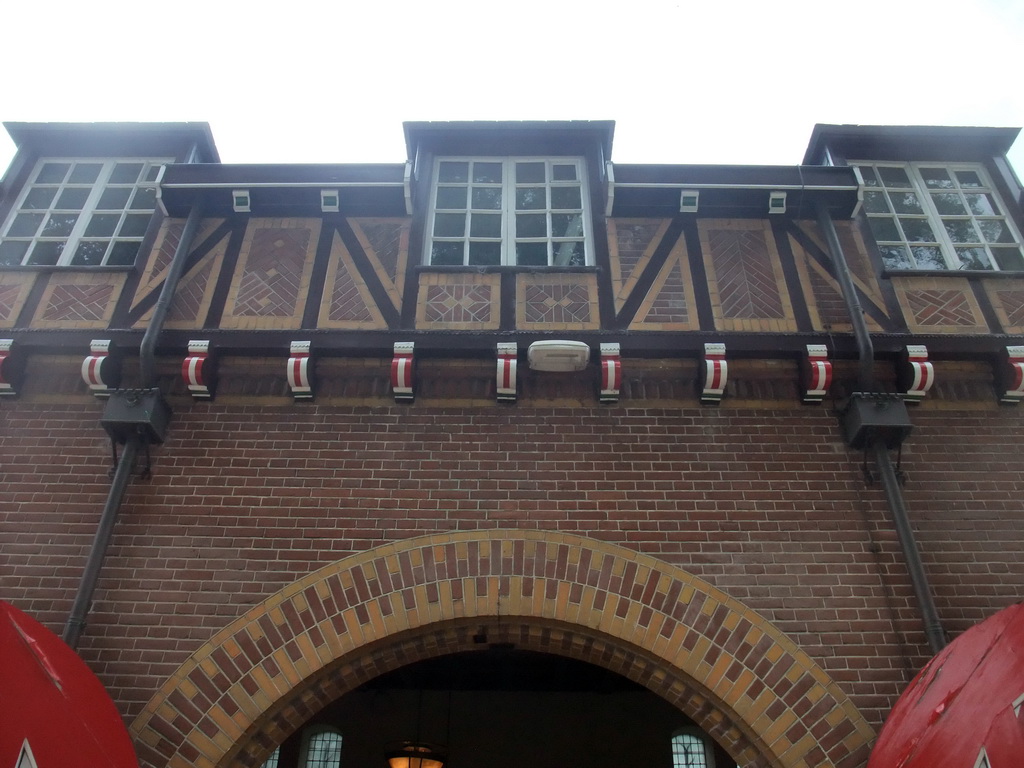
point(686, 82)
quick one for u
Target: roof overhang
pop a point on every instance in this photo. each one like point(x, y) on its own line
point(118, 139)
point(908, 142)
point(505, 137)
point(288, 189)
point(732, 190)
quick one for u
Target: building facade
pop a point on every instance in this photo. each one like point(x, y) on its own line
point(510, 447)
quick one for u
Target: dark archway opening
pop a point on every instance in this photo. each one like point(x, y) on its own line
point(502, 708)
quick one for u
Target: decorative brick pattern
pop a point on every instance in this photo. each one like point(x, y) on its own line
point(941, 308)
point(79, 300)
point(348, 303)
point(943, 304)
point(668, 305)
point(14, 290)
point(462, 302)
point(744, 276)
point(721, 663)
point(1007, 298)
point(163, 252)
point(556, 302)
point(272, 281)
point(386, 244)
point(632, 242)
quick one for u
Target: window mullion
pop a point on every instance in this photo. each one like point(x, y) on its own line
point(938, 226)
point(508, 212)
point(88, 208)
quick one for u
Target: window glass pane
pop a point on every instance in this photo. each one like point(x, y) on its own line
point(875, 202)
point(73, 199)
point(26, 225)
point(917, 230)
point(995, 231)
point(973, 258)
point(451, 197)
point(135, 225)
point(905, 202)
point(487, 173)
point(1009, 258)
point(928, 257)
point(532, 254)
point(566, 197)
point(485, 225)
point(531, 225)
point(968, 179)
point(893, 177)
point(563, 172)
point(446, 254)
point(53, 173)
point(688, 751)
point(102, 224)
point(324, 750)
point(453, 172)
point(884, 228)
point(567, 224)
point(569, 254)
point(126, 173)
point(46, 253)
point(85, 173)
point(529, 173)
point(485, 254)
point(90, 253)
point(59, 225)
point(530, 198)
point(868, 174)
point(937, 178)
point(114, 199)
point(982, 205)
point(12, 252)
point(271, 762)
point(144, 200)
point(152, 172)
point(896, 257)
point(949, 204)
point(487, 198)
point(960, 231)
point(39, 198)
point(123, 254)
point(449, 224)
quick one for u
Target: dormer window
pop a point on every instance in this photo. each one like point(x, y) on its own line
point(513, 211)
point(81, 212)
point(938, 217)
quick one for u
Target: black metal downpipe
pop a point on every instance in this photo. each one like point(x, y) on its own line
point(894, 495)
point(122, 475)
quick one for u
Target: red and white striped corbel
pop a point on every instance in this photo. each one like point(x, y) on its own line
point(401, 372)
point(715, 370)
point(299, 370)
point(817, 373)
point(101, 370)
point(9, 379)
point(918, 374)
point(611, 373)
point(197, 369)
point(1012, 376)
point(508, 359)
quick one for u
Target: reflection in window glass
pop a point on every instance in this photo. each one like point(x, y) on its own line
point(323, 750)
point(690, 750)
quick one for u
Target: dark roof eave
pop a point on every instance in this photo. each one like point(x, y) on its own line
point(953, 139)
point(28, 133)
point(604, 129)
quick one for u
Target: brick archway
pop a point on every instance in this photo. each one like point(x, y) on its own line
point(734, 673)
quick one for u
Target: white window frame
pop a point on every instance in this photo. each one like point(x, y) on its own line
point(698, 735)
point(78, 233)
point(937, 220)
point(507, 238)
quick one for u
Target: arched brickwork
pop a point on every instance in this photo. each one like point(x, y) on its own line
point(740, 678)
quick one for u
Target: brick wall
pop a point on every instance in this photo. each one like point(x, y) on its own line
point(761, 500)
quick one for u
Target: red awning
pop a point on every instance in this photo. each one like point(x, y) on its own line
point(968, 698)
point(51, 700)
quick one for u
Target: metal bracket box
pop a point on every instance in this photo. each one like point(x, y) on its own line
point(872, 416)
point(136, 412)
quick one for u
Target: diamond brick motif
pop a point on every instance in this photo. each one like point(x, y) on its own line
point(1013, 304)
point(458, 304)
point(941, 308)
point(270, 283)
point(557, 303)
